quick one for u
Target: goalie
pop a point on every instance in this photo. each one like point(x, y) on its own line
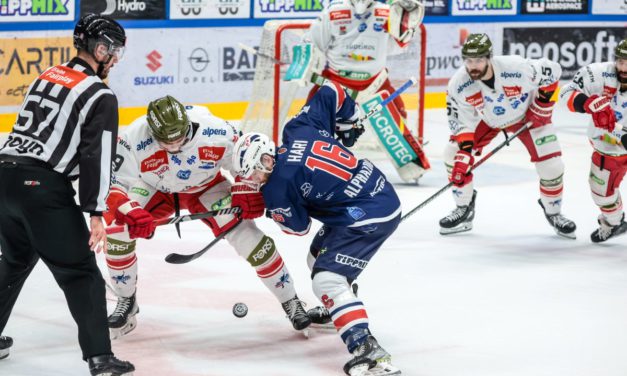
point(354, 37)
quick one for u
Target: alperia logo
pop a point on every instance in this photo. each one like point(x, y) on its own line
point(546, 139)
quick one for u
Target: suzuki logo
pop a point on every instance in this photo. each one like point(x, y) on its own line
point(153, 60)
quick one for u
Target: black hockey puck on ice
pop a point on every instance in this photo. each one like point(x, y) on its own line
point(240, 310)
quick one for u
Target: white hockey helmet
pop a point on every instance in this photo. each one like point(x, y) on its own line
point(361, 6)
point(248, 151)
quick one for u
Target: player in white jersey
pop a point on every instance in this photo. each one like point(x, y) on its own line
point(494, 93)
point(600, 89)
point(356, 37)
point(171, 160)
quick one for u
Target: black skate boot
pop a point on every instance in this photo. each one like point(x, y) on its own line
point(562, 225)
point(370, 359)
point(460, 219)
point(320, 317)
point(606, 230)
point(109, 365)
point(5, 344)
point(122, 320)
point(296, 313)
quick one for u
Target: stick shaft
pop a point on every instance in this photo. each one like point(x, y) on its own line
point(182, 218)
point(479, 163)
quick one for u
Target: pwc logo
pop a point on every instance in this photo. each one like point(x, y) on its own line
point(154, 60)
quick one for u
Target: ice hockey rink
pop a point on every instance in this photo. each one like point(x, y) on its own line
point(510, 298)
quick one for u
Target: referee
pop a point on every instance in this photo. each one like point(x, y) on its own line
point(66, 129)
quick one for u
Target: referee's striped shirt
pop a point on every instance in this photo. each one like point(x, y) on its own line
point(69, 119)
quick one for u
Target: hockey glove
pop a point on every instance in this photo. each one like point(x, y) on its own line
point(539, 113)
point(141, 224)
point(462, 164)
point(602, 113)
point(246, 195)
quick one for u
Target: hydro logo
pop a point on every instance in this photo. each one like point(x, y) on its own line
point(124, 6)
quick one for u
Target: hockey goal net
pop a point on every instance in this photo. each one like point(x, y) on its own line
point(274, 100)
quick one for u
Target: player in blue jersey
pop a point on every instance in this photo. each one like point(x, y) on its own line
point(312, 175)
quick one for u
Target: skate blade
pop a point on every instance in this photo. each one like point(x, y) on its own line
point(4, 353)
point(305, 333)
point(115, 374)
point(462, 227)
point(327, 326)
point(384, 369)
point(116, 333)
point(568, 235)
point(359, 370)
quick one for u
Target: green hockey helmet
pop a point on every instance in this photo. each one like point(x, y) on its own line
point(167, 119)
point(620, 52)
point(477, 45)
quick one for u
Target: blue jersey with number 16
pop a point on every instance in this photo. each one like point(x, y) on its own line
point(316, 176)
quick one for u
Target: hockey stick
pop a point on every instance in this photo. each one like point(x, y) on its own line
point(479, 163)
point(182, 218)
point(177, 258)
point(261, 54)
point(389, 99)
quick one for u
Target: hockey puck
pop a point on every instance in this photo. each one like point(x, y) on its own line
point(240, 310)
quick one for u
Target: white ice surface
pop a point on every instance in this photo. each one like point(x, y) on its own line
point(510, 298)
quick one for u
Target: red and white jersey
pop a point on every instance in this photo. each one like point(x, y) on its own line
point(140, 157)
point(600, 79)
point(516, 83)
point(356, 47)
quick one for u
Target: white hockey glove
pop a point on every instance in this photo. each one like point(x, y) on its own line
point(405, 18)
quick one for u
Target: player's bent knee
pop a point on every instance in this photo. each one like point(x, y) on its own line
point(328, 285)
point(551, 168)
point(605, 201)
point(245, 238)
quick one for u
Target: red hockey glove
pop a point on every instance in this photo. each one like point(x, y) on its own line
point(141, 224)
point(539, 113)
point(461, 165)
point(602, 113)
point(246, 195)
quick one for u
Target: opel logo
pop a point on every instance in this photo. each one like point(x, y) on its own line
point(199, 59)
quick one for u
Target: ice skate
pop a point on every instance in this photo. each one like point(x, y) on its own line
point(370, 359)
point(460, 219)
point(5, 344)
point(562, 225)
point(320, 318)
point(297, 315)
point(122, 320)
point(109, 365)
point(606, 230)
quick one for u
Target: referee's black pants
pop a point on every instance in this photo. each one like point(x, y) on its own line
point(40, 219)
